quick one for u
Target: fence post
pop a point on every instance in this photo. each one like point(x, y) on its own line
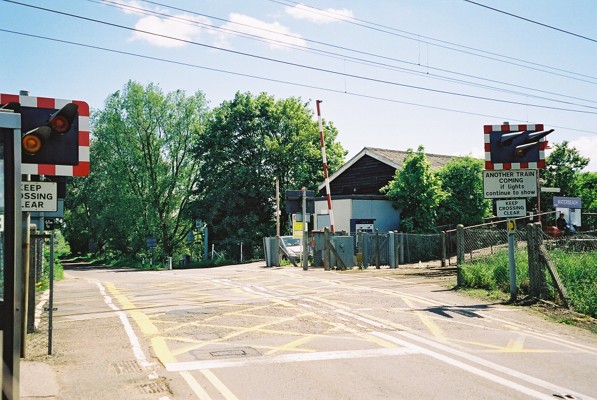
point(401, 240)
point(326, 249)
point(443, 238)
point(377, 250)
point(460, 253)
point(532, 253)
point(542, 289)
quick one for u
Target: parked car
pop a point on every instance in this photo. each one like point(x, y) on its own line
point(292, 245)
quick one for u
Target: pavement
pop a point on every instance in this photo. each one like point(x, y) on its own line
point(38, 381)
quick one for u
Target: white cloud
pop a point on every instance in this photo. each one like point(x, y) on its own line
point(182, 27)
point(272, 32)
point(300, 11)
point(587, 147)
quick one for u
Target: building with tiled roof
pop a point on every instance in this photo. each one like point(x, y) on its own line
point(355, 190)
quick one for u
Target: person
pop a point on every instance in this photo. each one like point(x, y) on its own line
point(561, 223)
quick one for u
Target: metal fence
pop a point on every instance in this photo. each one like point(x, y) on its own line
point(562, 269)
point(38, 339)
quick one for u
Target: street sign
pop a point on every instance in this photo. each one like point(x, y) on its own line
point(567, 202)
point(512, 183)
point(39, 196)
point(511, 208)
point(152, 242)
point(49, 224)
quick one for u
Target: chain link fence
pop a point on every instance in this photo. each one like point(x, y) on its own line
point(562, 269)
point(38, 339)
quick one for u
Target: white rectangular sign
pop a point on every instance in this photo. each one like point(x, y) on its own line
point(511, 208)
point(39, 196)
point(503, 184)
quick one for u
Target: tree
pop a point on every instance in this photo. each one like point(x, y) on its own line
point(563, 167)
point(462, 181)
point(249, 142)
point(142, 170)
point(587, 191)
point(417, 192)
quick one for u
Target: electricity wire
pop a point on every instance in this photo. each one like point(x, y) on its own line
point(356, 60)
point(434, 41)
point(325, 89)
point(298, 65)
point(532, 21)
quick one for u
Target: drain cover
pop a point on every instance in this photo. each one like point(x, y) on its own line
point(122, 367)
point(153, 387)
point(228, 353)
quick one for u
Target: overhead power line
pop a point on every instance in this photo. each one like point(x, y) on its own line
point(302, 66)
point(532, 21)
point(361, 60)
point(502, 58)
point(285, 82)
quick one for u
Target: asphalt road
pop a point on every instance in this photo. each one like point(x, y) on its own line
point(252, 333)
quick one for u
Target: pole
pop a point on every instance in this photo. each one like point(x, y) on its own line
point(305, 231)
point(51, 300)
point(325, 168)
point(539, 196)
point(512, 261)
point(277, 207)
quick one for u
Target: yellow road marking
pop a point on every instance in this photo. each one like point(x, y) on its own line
point(144, 323)
point(428, 322)
point(292, 346)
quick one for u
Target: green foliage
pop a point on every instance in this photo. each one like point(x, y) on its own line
point(579, 275)
point(563, 169)
point(587, 191)
point(142, 174)
point(417, 192)
point(462, 181)
point(250, 141)
point(576, 270)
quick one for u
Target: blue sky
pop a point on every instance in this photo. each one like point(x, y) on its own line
point(394, 74)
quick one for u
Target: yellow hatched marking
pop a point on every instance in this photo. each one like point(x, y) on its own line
point(292, 346)
point(240, 331)
point(428, 322)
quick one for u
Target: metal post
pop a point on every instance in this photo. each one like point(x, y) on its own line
point(443, 237)
point(305, 231)
point(51, 300)
point(459, 254)
point(205, 244)
point(277, 207)
point(377, 250)
point(326, 249)
point(512, 261)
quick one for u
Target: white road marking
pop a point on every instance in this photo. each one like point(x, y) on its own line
point(474, 370)
point(133, 339)
point(287, 358)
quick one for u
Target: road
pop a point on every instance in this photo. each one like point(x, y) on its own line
point(252, 333)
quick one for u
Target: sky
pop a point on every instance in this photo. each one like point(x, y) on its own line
point(394, 74)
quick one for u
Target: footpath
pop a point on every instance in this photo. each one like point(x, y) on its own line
point(91, 356)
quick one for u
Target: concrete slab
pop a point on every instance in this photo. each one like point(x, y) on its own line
point(38, 380)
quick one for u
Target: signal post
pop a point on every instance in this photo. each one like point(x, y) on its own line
point(514, 154)
point(39, 136)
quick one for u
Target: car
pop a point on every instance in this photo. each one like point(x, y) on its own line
point(292, 246)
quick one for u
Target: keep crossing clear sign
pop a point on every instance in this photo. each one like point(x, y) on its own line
point(39, 196)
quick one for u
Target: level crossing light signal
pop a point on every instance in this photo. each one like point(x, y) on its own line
point(51, 136)
point(515, 146)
